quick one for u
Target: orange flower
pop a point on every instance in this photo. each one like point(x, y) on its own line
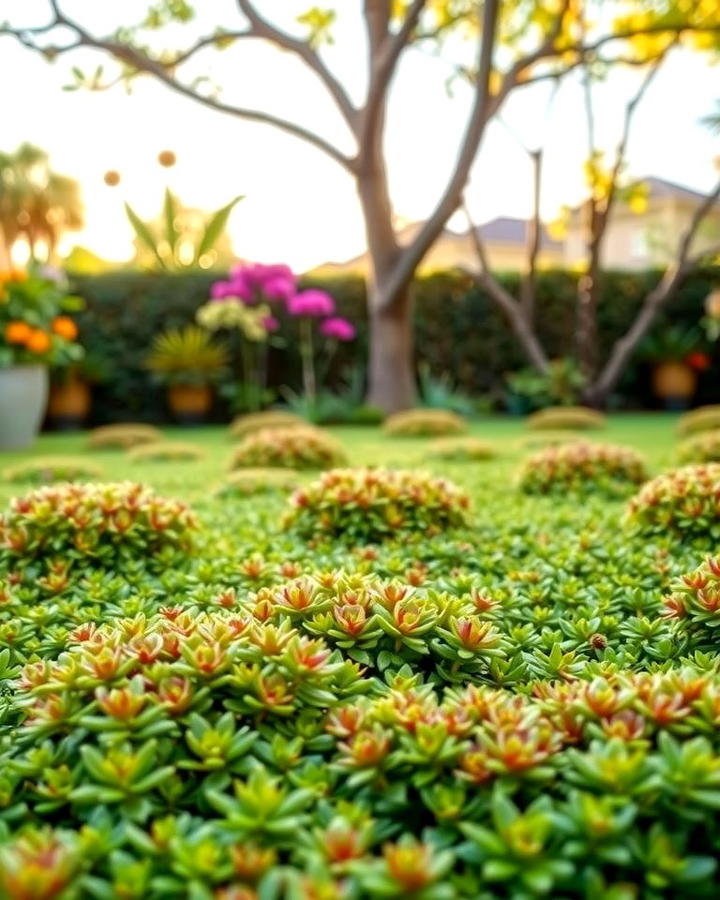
point(17, 332)
point(9, 275)
point(38, 342)
point(65, 327)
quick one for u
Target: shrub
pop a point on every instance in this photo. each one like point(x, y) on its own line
point(424, 423)
point(166, 451)
point(102, 524)
point(462, 450)
point(704, 418)
point(700, 448)
point(247, 482)
point(261, 421)
point(45, 469)
point(288, 448)
point(363, 505)
point(682, 503)
point(123, 436)
point(583, 468)
point(576, 418)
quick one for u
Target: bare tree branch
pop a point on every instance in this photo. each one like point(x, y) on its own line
point(384, 67)
point(657, 298)
point(515, 312)
point(141, 62)
point(452, 196)
point(262, 28)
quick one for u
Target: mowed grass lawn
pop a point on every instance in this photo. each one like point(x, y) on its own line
point(654, 434)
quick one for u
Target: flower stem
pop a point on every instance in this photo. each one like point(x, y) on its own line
point(307, 353)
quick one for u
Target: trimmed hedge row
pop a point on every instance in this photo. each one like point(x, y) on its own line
point(456, 324)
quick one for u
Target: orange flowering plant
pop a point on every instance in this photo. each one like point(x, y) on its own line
point(34, 323)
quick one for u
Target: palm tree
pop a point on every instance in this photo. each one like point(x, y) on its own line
point(36, 204)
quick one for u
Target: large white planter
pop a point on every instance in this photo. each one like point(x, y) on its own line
point(23, 399)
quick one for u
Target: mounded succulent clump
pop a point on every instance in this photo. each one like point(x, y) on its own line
point(46, 469)
point(424, 423)
point(123, 436)
point(248, 482)
point(683, 503)
point(302, 447)
point(583, 468)
point(694, 607)
point(574, 418)
point(271, 418)
point(363, 505)
point(700, 448)
point(100, 524)
point(704, 418)
point(462, 450)
point(166, 451)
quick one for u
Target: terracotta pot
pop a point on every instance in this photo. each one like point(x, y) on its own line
point(70, 402)
point(674, 382)
point(23, 397)
point(190, 404)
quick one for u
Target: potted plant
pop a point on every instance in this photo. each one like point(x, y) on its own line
point(188, 361)
point(35, 333)
point(676, 357)
point(71, 391)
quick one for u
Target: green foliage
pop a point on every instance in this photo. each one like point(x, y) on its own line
point(124, 436)
point(682, 502)
point(582, 468)
point(177, 247)
point(574, 418)
point(96, 524)
point(46, 469)
point(441, 393)
point(187, 356)
point(424, 423)
point(361, 505)
point(302, 447)
point(560, 386)
point(453, 320)
point(525, 704)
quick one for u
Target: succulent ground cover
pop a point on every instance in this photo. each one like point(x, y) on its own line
point(526, 704)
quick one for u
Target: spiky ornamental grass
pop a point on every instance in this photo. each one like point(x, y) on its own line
point(303, 447)
point(575, 418)
point(97, 524)
point(47, 469)
point(683, 503)
point(122, 436)
point(366, 505)
point(424, 423)
point(583, 468)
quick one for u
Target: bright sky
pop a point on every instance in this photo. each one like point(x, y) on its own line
point(300, 207)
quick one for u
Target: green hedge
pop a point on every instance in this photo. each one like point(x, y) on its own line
point(457, 327)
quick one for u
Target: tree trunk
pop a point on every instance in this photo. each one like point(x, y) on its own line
point(391, 372)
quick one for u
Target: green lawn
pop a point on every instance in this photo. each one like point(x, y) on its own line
point(653, 434)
